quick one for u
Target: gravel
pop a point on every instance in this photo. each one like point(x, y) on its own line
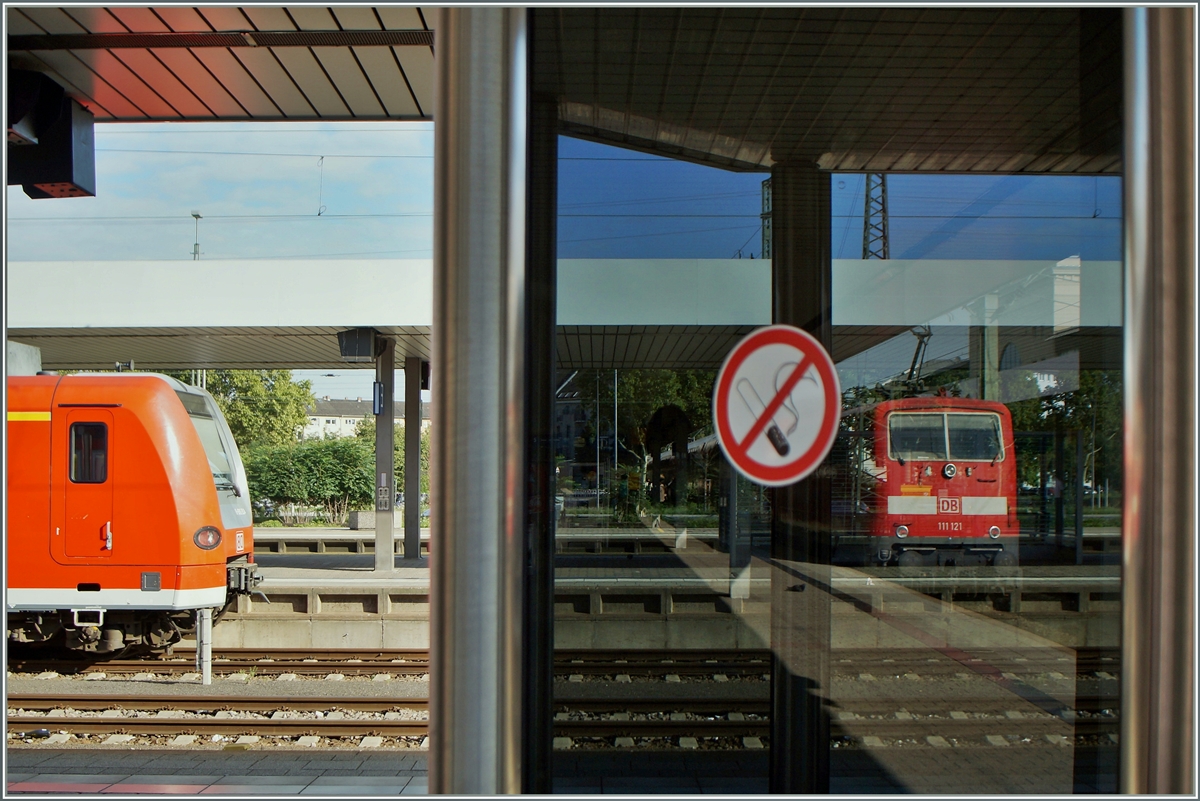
point(302, 686)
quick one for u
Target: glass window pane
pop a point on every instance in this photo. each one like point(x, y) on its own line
point(974, 437)
point(917, 436)
point(89, 453)
point(940, 600)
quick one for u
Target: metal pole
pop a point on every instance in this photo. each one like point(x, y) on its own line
point(479, 473)
point(204, 644)
point(614, 423)
point(385, 457)
point(802, 295)
point(540, 287)
point(412, 458)
point(1158, 602)
point(1079, 497)
point(597, 441)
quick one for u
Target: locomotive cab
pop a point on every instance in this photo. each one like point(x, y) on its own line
point(947, 493)
point(229, 480)
point(128, 511)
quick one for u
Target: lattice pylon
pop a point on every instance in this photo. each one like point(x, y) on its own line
point(875, 218)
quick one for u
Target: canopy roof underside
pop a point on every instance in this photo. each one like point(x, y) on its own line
point(991, 90)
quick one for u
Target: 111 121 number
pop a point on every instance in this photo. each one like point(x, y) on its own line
point(952, 526)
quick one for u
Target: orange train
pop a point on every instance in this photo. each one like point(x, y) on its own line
point(128, 511)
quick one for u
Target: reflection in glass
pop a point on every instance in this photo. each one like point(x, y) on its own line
point(917, 436)
point(974, 436)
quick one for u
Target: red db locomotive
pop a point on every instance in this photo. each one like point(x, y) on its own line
point(946, 487)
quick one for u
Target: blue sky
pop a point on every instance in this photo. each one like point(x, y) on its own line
point(258, 187)
point(346, 190)
point(617, 203)
point(265, 190)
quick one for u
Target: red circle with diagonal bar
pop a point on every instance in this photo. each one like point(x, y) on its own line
point(776, 405)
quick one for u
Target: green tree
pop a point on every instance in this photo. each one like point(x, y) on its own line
point(639, 394)
point(365, 432)
point(336, 474)
point(263, 407)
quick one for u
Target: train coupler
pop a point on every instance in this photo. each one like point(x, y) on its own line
point(242, 578)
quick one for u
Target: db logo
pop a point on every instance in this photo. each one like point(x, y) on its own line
point(949, 506)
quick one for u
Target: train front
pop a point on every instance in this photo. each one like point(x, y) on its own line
point(233, 492)
point(947, 495)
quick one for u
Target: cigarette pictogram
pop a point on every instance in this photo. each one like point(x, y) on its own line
point(758, 409)
point(776, 405)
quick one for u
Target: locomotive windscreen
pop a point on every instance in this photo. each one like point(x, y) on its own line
point(957, 435)
point(206, 427)
point(974, 436)
point(917, 436)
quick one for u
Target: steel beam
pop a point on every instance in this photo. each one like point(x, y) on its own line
point(412, 457)
point(1159, 523)
point(385, 434)
point(478, 476)
point(802, 295)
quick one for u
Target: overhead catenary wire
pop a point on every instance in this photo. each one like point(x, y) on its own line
point(301, 217)
point(428, 157)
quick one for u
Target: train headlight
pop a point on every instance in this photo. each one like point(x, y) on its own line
point(994, 532)
point(949, 471)
point(901, 532)
point(207, 538)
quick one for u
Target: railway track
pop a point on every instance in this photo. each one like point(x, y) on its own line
point(227, 726)
point(258, 663)
point(701, 717)
point(210, 703)
point(587, 663)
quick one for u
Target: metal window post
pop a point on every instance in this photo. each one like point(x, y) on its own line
point(478, 475)
point(802, 295)
point(540, 320)
point(385, 458)
point(412, 457)
point(1159, 525)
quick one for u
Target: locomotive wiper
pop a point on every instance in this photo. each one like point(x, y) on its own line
point(229, 485)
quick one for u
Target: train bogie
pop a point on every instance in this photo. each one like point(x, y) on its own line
point(127, 510)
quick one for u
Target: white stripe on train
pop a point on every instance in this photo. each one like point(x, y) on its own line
point(49, 599)
point(928, 505)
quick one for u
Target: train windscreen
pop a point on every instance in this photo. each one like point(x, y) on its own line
point(917, 436)
point(974, 437)
point(210, 438)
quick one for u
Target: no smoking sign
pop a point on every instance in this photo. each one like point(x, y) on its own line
point(776, 405)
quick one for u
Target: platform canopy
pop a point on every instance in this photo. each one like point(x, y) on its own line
point(225, 63)
point(951, 90)
point(940, 89)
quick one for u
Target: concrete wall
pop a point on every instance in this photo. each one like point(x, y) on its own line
point(664, 292)
point(207, 294)
point(22, 359)
point(1064, 294)
point(399, 292)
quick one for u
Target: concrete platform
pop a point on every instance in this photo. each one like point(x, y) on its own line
point(350, 608)
point(354, 772)
point(315, 540)
point(299, 771)
point(684, 602)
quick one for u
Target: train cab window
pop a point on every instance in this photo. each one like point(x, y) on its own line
point(974, 437)
point(206, 426)
point(89, 453)
point(917, 436)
